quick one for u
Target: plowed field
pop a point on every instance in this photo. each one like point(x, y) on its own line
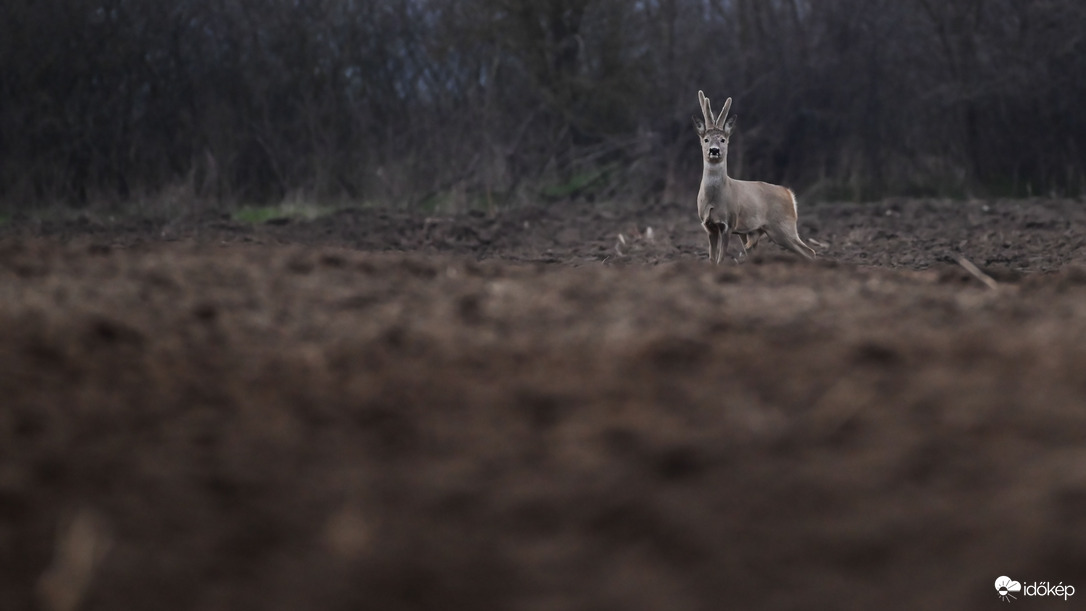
point(560, 407)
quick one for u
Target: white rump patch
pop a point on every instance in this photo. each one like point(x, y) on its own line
point(794, 207)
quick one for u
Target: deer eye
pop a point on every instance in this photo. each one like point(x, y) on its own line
point(706, 139)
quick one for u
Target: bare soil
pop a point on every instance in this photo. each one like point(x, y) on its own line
point(526, 411)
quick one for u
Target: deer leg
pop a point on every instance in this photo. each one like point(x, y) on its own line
point(714, 240)
point(741, 248)
point(799, 246)
point(738, 253)
point(788, 237)
point(752, 239)
point(725, 239)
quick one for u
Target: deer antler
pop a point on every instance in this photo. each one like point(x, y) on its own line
point(707, 111)
point(723, 114)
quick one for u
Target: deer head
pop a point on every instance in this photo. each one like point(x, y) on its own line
point(714, 131)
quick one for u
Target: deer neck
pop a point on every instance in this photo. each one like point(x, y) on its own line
point(715, 175)
point(715, 189)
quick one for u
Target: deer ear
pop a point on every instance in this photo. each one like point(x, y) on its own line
point(699, 125)
point(729, 125)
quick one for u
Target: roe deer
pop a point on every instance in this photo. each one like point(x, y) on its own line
point(747, 208)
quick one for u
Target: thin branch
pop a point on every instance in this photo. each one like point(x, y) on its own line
point(977, 273)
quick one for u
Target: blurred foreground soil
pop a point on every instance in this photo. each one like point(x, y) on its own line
point(547, 408)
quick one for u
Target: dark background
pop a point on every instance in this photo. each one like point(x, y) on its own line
point(467, 103)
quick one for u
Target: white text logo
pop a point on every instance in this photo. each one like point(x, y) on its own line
point(1007, 587)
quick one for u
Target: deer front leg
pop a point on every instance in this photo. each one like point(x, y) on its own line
point(752, 239)
point(714, 240)
point(740, 253)
point(725, 239)
point(747, 242)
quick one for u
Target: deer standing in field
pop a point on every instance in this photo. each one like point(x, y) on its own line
point(747, 208)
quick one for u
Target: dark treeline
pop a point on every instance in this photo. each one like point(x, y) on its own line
point(471, 102)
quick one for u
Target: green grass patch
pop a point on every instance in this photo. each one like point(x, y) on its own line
point(578, 184)
point(256, 216)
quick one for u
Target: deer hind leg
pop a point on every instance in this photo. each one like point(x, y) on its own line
point(785, 235)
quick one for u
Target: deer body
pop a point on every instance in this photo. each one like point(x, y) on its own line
point(728, 206)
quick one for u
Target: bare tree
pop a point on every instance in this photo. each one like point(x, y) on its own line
point(250, 101)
